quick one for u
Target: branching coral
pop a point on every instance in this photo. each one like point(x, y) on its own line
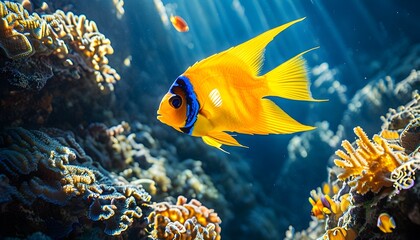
point(366, 172)
point(35, 166)
point(369, 166)
point(184, 220)
point(73, 39)
point(84, 38)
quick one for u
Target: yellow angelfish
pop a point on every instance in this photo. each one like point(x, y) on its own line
point(224, 93)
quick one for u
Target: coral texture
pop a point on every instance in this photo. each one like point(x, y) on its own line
point(370, 164)
point(184, 220)
point(37, 168)
point(65, 36)
point(372, 178)
point(52, 64)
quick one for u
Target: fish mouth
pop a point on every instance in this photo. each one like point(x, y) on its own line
point(159, 117)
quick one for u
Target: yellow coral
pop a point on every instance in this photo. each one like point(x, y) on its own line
point(184, 221)
point(390, 135)
point(370, 164)
point(22, 35)
point(14, 44)
point(77, 179)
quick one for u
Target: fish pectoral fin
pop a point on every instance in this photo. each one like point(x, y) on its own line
point(217, 139)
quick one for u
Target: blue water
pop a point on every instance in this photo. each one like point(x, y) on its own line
point(359, 40)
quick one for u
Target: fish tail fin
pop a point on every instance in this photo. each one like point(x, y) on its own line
point(289, 80)
point(274, 120)
point(217, 139)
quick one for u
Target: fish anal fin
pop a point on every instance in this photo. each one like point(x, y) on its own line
point(217, 139)
point(213, 142)
point(273, 120)
point(225, 139)
point(289, 80)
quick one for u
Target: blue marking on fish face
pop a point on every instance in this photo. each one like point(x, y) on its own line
point(193, 106)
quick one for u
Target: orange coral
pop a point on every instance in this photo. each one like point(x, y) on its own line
point(370, 164)
point(184, 221)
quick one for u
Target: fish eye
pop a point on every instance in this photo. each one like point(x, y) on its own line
point(175, 101)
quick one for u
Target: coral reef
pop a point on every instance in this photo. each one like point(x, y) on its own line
point(309, 152)
point(375, 99)
point(47, 60)
point(85, 179)
point(374, 179)
point(323, 205)
point(184, 221)
point(39, 169)
point(129, 149)
point(66, 36)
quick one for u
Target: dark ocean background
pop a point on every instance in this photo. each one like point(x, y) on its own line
point(265, 188)
point(360, 41)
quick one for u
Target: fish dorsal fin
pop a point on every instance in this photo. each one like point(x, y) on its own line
point(249, 53)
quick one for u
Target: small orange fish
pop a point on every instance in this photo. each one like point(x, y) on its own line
point(386, 223)
point(179, 24)
point(27, 5)
point(337, 233)
point(224, 93)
